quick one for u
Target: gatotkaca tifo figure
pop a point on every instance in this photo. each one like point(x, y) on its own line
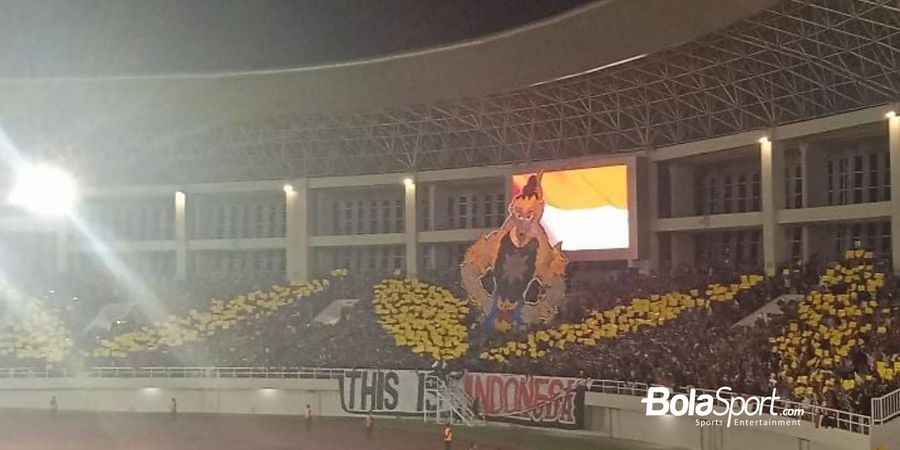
point(517, 257)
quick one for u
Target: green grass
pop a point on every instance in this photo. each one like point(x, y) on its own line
point(506, 437)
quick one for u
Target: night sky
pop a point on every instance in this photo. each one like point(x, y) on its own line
point(72, 38)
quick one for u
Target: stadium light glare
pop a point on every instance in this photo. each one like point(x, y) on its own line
point(288, 189)
point(408, 182)
point(44, 190)
point(891, 114)
point(764, 140)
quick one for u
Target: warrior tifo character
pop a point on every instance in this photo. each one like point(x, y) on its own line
point(517, 257)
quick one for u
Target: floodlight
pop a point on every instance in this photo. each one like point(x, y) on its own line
point(44, 190)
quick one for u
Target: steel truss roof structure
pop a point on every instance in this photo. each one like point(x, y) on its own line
point(798, 60)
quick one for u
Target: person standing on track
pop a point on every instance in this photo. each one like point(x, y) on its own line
point(448, 437)
point(369, 422)
point(173, 409)
point(308, 416)
point(54, 406)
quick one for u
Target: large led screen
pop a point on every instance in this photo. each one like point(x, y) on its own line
point(585, 209)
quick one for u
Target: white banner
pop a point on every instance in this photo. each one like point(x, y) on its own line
point(389, 392)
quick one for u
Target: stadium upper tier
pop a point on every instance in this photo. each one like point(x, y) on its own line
point(616, 76)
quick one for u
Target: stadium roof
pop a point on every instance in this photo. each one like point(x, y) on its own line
point(681, 71)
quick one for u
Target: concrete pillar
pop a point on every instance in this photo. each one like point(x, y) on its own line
point(772, 185)
point(681, 189)
point(296, 208)
point(412, 241)
point(894, 143)
point(181, 238)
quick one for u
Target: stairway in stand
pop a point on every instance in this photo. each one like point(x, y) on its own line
point(451, 403)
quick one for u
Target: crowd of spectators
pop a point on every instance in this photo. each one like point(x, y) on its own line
point(697, 343)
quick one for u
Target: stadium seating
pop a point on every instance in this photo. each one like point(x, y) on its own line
point(32, 332)
point(837, 347)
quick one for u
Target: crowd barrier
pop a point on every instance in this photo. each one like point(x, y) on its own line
point(886, 407)
point(883, 408)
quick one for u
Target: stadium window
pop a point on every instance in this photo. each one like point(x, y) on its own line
point(231, 230)
point(755, 191)
point(739, 246)
point(398, 216)
point(702, 255)
point(360, 217)
point(839, 241)
point(796, 244)
point(713, 199)
point(451, 214)
point(360, 256)
point(428, 261)
point(843, 180)
point(754, 245)
point(857, 179)
point(798, 186)
point(885, 242)
point(398, 258)
point(489, 211)
point(787, 188)
point(246, 231)
point(425, 215)
point(871, 236)
point(346, 261)
point(270, 262)
point(829, 188)
point(348, 218)
point(373, 217)
point(473, 213)
point(385, 259)
point(281, 217)
point(886, 177)
point(727, 245)
point(260, 220)
point(855, 234)
point(726, 194)
point(874, 177)
point(386, 215)
point(273, 217)
point(220, 221)
point(741, 200)
point(463, 211)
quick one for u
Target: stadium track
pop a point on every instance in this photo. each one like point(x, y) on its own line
point(33, 430)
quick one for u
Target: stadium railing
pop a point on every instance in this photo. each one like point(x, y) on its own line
point(886, 407)
point(818, 415)
point(32, 372)
point(216, 372)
